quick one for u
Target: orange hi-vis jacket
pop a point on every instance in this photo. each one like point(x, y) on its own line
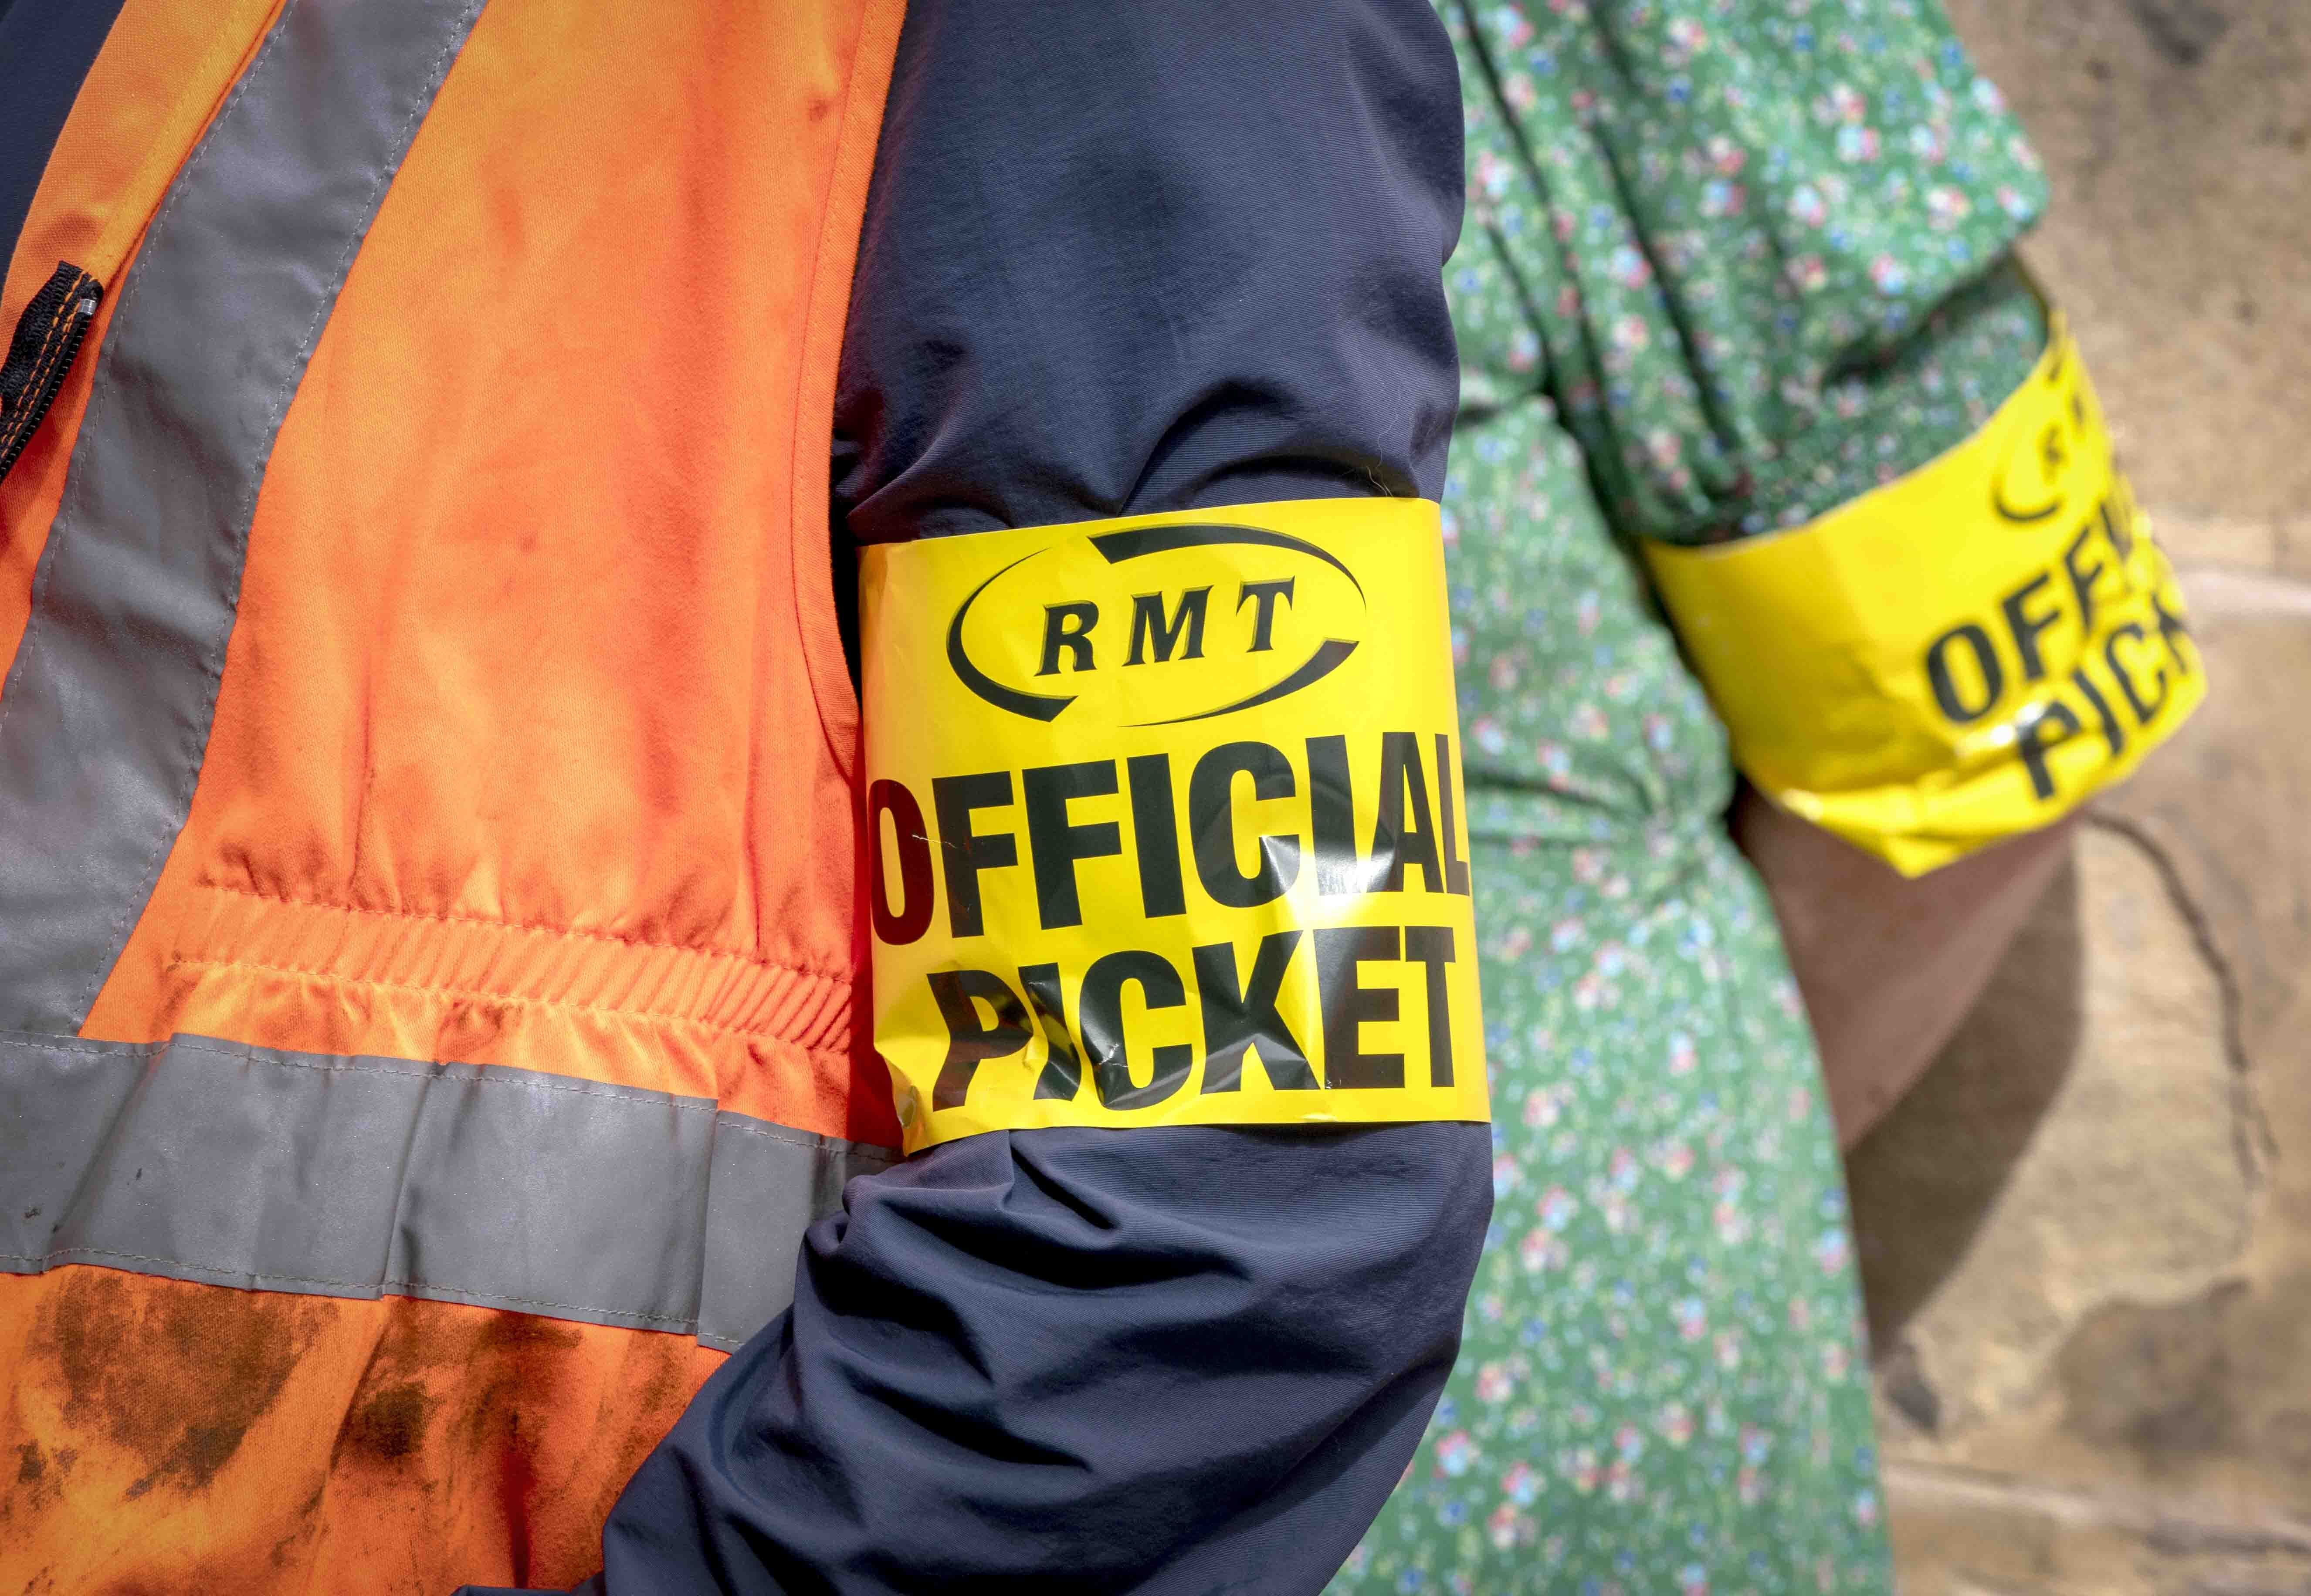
point(427, 854)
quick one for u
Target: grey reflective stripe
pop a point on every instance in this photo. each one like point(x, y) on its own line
point(368, 1177)
point(105, 715)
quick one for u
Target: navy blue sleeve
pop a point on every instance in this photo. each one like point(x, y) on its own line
point(45, 49)
point(1117, 258)
point(1150, 256)
point(1073, 1361)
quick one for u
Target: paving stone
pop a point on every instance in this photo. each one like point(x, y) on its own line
point(1962, 1533)
point(2233, 543)
point(2294, 545)
point(2178, 134)
point(2225, 804)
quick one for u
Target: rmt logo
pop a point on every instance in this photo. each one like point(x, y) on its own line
point(1239, 615)
point(1158, 633)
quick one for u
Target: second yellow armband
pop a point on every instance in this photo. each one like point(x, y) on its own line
point(1962, 655)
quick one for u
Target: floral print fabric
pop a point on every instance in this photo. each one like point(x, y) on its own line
point(1661, 1385)
point(1726, 266)
point(1714, 231)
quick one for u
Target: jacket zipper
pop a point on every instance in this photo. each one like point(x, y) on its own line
point(41, 355)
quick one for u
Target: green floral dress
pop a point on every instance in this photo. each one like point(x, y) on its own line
point(1727, 264)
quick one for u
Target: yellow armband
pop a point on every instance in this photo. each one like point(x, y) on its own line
point(1165, 824)
point(1962, 655)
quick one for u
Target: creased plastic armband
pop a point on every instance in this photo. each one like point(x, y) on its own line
point(1166, 823)
point(1960, 656)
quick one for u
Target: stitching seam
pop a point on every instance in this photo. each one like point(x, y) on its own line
point(803, 1138)
point(717, 1027)
point(66, 1253)
point(533, 928)
point(630, 1096)
point(251, 1056)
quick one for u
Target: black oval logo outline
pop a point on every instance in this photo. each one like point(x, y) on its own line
point(1136, 543)
point(2055, 451)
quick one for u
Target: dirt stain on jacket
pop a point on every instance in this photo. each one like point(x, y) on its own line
point(174, 1377)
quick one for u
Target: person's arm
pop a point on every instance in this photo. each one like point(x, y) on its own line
point(1889, 964)
point(1772, 334)
point(1118, 259)
point(1814, 386)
